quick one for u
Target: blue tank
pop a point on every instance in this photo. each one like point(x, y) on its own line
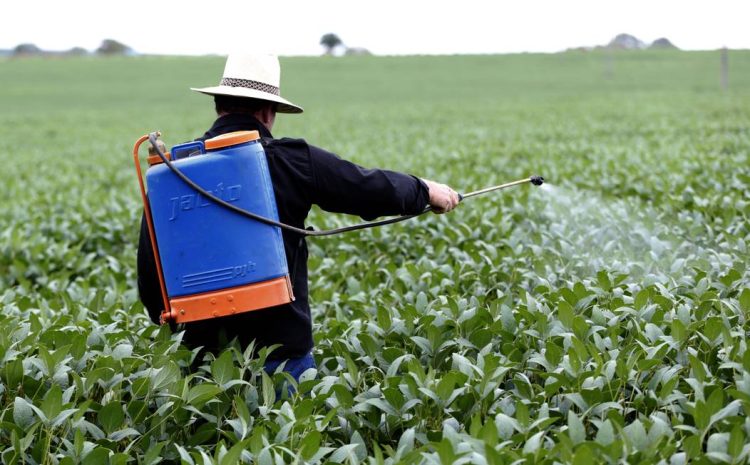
point(203, 246)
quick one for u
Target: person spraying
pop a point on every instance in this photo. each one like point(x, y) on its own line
point(248, 98)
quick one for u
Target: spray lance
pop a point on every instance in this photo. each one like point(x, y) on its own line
point(197, 281)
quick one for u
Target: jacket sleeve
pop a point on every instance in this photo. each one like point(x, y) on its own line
point(341, 186)
point(149, 288)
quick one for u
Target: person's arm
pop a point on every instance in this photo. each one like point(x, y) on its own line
point(341, 186)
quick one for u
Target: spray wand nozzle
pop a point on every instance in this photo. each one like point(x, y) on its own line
point(536, 180)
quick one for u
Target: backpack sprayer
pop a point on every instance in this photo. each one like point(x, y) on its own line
point(212, 262)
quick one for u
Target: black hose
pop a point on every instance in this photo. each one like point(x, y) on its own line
point(152, 137)
point(304, 232)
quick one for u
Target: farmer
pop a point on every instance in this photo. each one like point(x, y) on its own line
point(248, 98)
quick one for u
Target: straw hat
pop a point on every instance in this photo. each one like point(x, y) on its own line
point(252, 76)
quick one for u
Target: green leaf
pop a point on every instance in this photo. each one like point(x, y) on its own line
point(715, 401)
point(257, 440)
point(241, 407)
point(698, 370)
point(736, 441)
point(343, 453)
point(565, 313)
point(534, 443)
point(522, 413)
point(384, 318)
point(310, 444)
point(198, 395)
point(604, 282)
point(717, 443)
point(693, 446)
point(165, 376)
point(406, 442)
point(636, 435)
point(508, 319)
point(712, 328)
point(344, 395)
point(52, 403)
point(124, 434)
point(269, 393)
point(553, 353)
point(731, 409)
point(576, 430)
point(14, 373)
point(361, 449)
point(383, 405)
point(446, 385)
point(679, 458)
point(506, 426)
point(232, 457)
point(23, 414)
point(184, 455)
point(641, 299)
point(62, 417)
point(701, 417)
point(679, 333)
point(463, 365)
point(265, 457)
point(423, 343)
point(97, 456)
point(111, 417)
point(583, 456)
point(421, 303)
point(746, 360)
point(445, 451)
point(122, 351)
point(120, 459)
point(580, 290)
point(745, 300)
point(152, 456)
point(606, 434)
point(222, 368)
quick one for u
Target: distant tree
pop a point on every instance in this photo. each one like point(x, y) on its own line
point(330, 41)
point(77, 51)
point(113, 47)
point(663, 44)
point(357, 51)
point(626, 42)
point(26, 49)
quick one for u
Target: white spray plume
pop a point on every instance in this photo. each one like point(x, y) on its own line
point(582, 233)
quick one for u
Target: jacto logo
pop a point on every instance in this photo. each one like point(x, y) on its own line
point(220, 274)
point(192, 201)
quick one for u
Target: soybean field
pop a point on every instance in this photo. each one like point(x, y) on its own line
point(602, 318)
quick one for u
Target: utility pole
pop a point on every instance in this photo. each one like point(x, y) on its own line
point(724, 69)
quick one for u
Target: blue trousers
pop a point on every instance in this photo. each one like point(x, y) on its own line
point(293, 366)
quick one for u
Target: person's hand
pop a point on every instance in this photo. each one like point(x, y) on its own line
point(442, 198)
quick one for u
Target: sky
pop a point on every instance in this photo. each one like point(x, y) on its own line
point(385, 27)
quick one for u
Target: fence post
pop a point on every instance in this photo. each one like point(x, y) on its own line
point(724, 69)
point(609, 63)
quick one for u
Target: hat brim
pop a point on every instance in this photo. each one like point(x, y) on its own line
point(284, 105)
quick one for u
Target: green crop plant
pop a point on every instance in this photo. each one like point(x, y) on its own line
point(604, 319)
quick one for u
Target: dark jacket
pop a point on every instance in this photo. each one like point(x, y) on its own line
point(302, 175)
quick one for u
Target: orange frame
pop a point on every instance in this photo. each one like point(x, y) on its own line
point(213, 304)
point(165, 314)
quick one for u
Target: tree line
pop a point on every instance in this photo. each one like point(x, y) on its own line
point(107, 47)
